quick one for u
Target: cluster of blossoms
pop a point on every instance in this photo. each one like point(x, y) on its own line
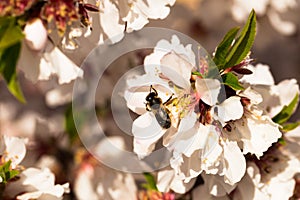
point(24, 184)
point(41, 28)
point(224, 134)
point(224, 125)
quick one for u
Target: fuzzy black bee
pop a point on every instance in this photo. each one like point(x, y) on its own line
point(158, 108)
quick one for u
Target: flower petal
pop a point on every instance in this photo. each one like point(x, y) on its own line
point(110, 21)
point(235, 166)
point(167, 179)
point(35, 35)
point(230, 109)
point(55, 62)
point(15, 150)
point(152, 62)
point(177, 69)
point(208, 89)
point(257, 133)
point(215, 185)
point(261, 75)
point(147, 132)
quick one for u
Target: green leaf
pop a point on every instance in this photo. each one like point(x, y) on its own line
point(232, 81)
point(286, 111)
point(243, 44)
point(10, 32)
point(197, 74)
point(10, 46)
point(8, 62)
point(223, 47)
point(6, 173)
point(151, 184)
point(290, 126)
point(281, 141)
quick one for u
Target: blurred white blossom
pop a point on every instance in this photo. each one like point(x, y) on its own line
point(96, 181)
point(36, 183)
point(273, 9)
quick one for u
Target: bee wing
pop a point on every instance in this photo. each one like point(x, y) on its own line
point(163, 118)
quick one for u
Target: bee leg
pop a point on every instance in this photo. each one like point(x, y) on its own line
point(147, 108)
point(152, 88)
point(169, 100)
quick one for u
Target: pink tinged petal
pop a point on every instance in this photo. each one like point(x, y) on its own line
point(35, 35)
point(177, 69)
point(146, 132)
point(235, 166)
point(208, 89)
point(261, 75)
point(15, 150)
point(230, 109)
point(110, 21)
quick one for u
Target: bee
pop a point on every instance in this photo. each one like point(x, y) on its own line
point(155, 105)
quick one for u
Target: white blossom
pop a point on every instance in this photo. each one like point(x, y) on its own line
point(13, 149)
point(36, 183)
point(135, 14)
point(195, 146)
